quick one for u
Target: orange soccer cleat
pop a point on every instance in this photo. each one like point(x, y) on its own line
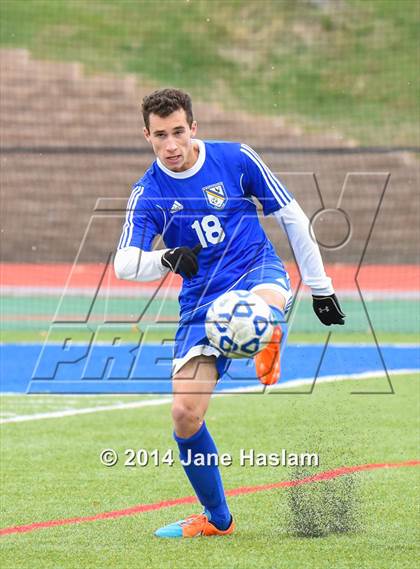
point(267, 362)
point(196, 525)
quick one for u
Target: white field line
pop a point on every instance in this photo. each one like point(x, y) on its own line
point(84, 411)
point(231, 391)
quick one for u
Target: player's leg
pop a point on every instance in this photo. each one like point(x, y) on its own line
point(192, 388)
point(272, 297)
point(193, 385)
point(267, 362)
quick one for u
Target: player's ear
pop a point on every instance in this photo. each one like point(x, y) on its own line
point(194, 127)
point(146, 133)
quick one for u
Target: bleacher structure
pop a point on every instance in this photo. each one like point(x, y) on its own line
point(69, 138)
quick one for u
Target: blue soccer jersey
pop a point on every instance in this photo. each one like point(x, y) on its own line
point(211, 204)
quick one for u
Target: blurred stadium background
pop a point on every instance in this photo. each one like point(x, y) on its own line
point(325, 90)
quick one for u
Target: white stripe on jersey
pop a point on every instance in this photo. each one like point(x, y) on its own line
point(128, 225)
point(276, 181)
point(278, 190)
point(123, 238)
point(133, 207)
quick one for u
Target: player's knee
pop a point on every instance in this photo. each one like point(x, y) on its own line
point(184, 414)
point(272, 297)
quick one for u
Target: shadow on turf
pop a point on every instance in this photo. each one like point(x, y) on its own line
point(323, 508)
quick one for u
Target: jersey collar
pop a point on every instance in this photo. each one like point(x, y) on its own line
point(191, 171)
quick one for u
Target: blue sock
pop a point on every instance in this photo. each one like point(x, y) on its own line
point(205, 479)
point(280, 320)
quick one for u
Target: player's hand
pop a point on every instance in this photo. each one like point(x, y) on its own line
point(182, 260)
point(328, 309)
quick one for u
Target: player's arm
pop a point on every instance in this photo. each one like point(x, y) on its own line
point(297, 228)
point(134, 264)
point(134, 260)
point(259, 181)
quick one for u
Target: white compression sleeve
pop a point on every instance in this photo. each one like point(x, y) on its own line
point(295, 223)
point(133, 264)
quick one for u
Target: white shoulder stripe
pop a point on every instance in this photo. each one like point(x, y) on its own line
point(127, 223)
point(283, 194)
point(125, 226)
point(131, 224)
point(274, 190)
point(129, 215)
point(283, 189)
point(269, 185)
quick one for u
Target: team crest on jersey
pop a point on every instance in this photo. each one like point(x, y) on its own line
point(216, 195)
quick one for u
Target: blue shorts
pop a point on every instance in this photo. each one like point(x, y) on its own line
point(191, 339)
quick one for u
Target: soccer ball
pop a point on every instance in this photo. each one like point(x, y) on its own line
point(239, 324)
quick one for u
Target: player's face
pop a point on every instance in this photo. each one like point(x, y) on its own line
point(170, 138)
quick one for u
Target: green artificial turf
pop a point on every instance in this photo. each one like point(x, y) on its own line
point(51, 470)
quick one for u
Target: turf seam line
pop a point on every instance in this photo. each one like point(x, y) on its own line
point(141, 508)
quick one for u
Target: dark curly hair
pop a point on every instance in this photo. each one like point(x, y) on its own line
point(164, 102)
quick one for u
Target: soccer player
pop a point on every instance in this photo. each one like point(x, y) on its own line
point(198, 195)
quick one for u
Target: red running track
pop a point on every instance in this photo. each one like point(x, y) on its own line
point(394, 278)
point(140, 508)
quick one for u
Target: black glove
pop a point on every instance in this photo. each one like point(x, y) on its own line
point(182, 260)
point(328, 309)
